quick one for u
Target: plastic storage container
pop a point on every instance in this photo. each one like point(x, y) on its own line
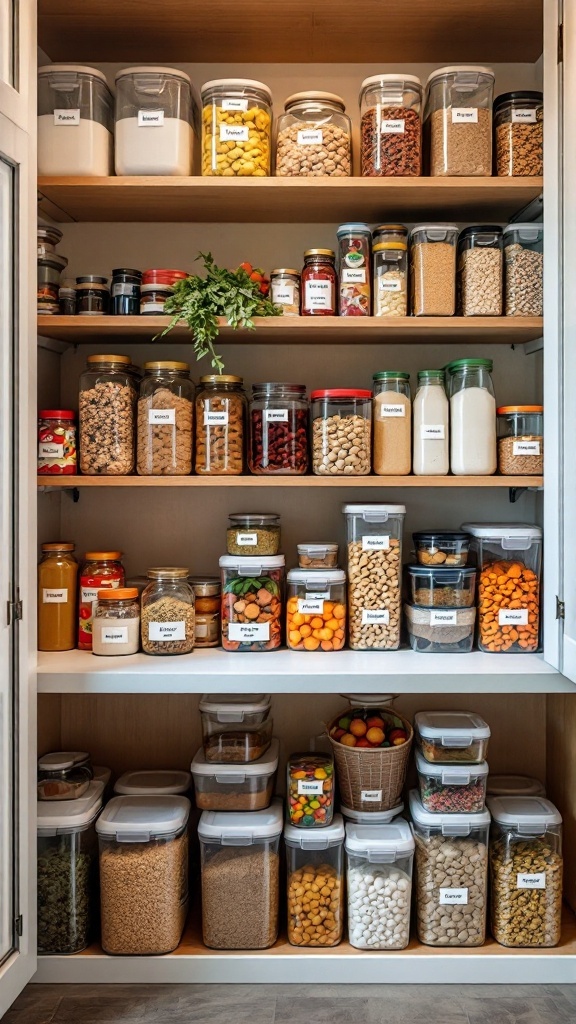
point(518, 133)
point(153, 783)
point(390, 270)
point(391, 128)
point(310, 790)
point(116, 622)
point(319, 283)
point(450, 907)
point(341, 416)
point(458, 125)
point(525, 871)
point(143, 843)
point(253, 533)
point(155, 115)
point(240, 877)
point(314, 137)
point(107, 416)
point(317, 555)
point(433, 269)
point(220, 420)
point(315, 884)
point(392, 412)
point(480, 276)
point(64, 775)
point(472, 417)
point(441, 547)
point(75, 121)
point(165, 419)
point(57, 593)
point(237, 729)
point(514, 785)
point(509, 557)
point(379, 883)
point(252, 602)
point(235, 787)
point(451, 737)
point(440, 630)
point(442, 587)
point(524, 269)
point(168, 622)
point(316, 610)
point(374, 538)
point(278, 442)
point(520, 440)
point(371, 817)
point(451, 789)
point(354, 292)
point(236, 128)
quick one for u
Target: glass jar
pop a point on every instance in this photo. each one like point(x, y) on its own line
point(67, 298)
point(431, 425)
point(125, 292)
point(458, 121)
point(47, 238)
point(518, 134)
point(374, 545)
point(220, 418)
point(316, 610)
point(310, 785)
point(236, 128)
point(107, 416)
point(168, 624)
point(63, 776)
point(319, 283)
point(520, 440)
point(102, 570)
point(390, 270)
point(341, 415)
point(480, 278)
point(354, 298)
point(452, 789)
point(236, 729)
point(57, 453)
point(315, 868)
point(155, 116)
point(75, 121)
point(524, 269)
point(92, 296)
point(285, 290)
point(472, 417)
point(379, 859)
point(252, 609)
point(278, 435)
point(207, 591)
point(253, 533)
point(165, 415)
point(433, 269)
point(441, 586)
point(116, 622)
point(314, 137)
point(57, 582)
point(392, 415)
point(50, 268)
point(391, 129)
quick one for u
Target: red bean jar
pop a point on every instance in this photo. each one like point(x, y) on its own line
point(102, 570)
point(354, 242)
point(319, 283)
point(278, 429)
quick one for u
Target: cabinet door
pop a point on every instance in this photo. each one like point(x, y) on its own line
point(17, 61)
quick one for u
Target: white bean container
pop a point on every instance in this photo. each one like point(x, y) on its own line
point(75, 121)
point(153, 783)
point(379, 880)
point(155, 114)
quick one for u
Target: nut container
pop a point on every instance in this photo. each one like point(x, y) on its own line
point(374, 550)
point(433, 269)
point(107, 416)
point(441, 547)
point(518, 133)
point(237, 729)
point(316, 610)
point(520, 440)
point(310, 790)
point(153, 783)
point(524, 269)
point(458, 121)
point(480, 276)
point(391, 128)
point(451, 789)
point(379, 884)
point(451, 737)
point(442, 587)
point(252, 602)
point(341, 432)
point(236, 128)
point(317, 555)
point(278, 430)
point(315, 883)
point(220, 422)
point(314, 137)
point(165, 418)
point(235, 787)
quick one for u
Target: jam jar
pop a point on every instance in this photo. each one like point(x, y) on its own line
point(278, 429)
point(354, 242)
point(101, 570)
point(319, 283)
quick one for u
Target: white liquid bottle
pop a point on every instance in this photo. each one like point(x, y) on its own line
point(431, 425)
point(472, 418)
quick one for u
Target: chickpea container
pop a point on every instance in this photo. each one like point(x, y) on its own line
point(165, 417)
point(207, 591)
point(220, 423)
point(314, 137)
point(374, 546)
point(520, 440)
point(391, 129)
point(390, 270)
point(458, 121)
point(379, 884)
point(168, 623)
point(315, 868)
point(341, 432)
point(392, 412)
point(480, 271)
point(236, 128)
point(518, 134)
point(433, 269)
point(107, 416)
point(316, 610)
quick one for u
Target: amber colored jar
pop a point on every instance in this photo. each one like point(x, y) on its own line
point(57, 579)
point(102, 570)
point(319, 283)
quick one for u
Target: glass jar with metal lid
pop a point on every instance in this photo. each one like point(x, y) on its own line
point(207, 610)
point(168, 621)
point(92, 295)
point(518, 133)
point(392, 414)
point(220, 421)
point(390, 270)
point(479, 279)
point(520, 440)
point(314, 137)
point(155, 118)
point(458, 121)
point(278, 429)
point(472, 417)
point(107, 416)
point(75, 121)
point(57, 590)
point(319, 283)
point(236, 128)
point(391, 130)
point(116, 622)
point(253, 533)
point(285, 290)
point(165, 415)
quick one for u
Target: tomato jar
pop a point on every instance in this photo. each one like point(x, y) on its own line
point(310, 790)
point(354, 242)
point(102, 570)
point(57, 442)
point(319, 283)
point(278, 429)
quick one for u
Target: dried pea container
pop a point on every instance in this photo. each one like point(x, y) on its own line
point(379, 884)
point(314, 137)
point(316, 610)
point(236, 128)
point(524, 269)
point(518, 133)
point(315, 883)
point(458, 121)
point(451, 737)
point(480, 274)
point(374, 543)
point(220, 423)
point(520, 440)
point(235, 787)
point(433, 269)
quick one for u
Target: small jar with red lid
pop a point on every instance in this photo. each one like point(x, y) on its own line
point(158, 286)
point(102, 570)
point(341, 432)
point(319, 283)
point(57, 454)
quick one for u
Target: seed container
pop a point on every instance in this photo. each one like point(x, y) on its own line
point(440, 630)
point(235, 729)
point(310, 790)
point(153, 783)
point(441, 547)
point(442, 587)
point(316, 610)
point(253, 533)
point(451, 789)
point(374, 543)
point(312, 555)
point(433, 269)
point(458, 121)
point(451, 737)
point(379, 884)
point(524, 269)
point(315, 884)
point(520, 440)
point(252, 602)
point(518, 133)
point(235, 787)
point(480, 277)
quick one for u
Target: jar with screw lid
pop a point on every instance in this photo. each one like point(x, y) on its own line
point(116, 622)
point(168, 620)
point(207, 610)
point(319, 283)
point(390, 270)
point(314, 137)
point(278, 434)
point(391, 130)
point(102, 570)
point(285, 290)
point(431, 426)
point(125, 292)
point(57, 589)
point(341, 432)
point(92, 295)
point(107, 416)
point(67, 297)
point(220, 420)
point(57, 453)
point(165, 413)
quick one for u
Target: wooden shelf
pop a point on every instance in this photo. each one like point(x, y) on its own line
point(382, 482)
point(283, 200)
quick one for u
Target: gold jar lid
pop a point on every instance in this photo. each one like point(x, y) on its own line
point(221, 378)
point(125, 360)
point(167, 364)
point(58, 546)
point(103, 556)
point(320, 252)
point(168, 573)
point(285, 270)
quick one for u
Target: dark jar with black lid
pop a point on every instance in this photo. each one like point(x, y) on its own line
point(125, 292)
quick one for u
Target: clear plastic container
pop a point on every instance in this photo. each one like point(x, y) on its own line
point(433, 269)
point(480, 278)
point(220, 421)
point(75, 121)
point(116, 622)
point(514, 785)
point(520, 440)
point(168, 622)
point(235, 787)
point(440, 630)
point(237, 729)
point(278, 429)
point(374, 543)
point(509, 558)
point(236, 128)
point(450, 906)
point(524, 269)
point(253, 533)
point(252, 602)
point(472, 417)
point(64, 775)
point(155, 118)
point(240, 877)
point(441, 547)
point(354, 291)
point(315, 884)
point(390, 270)
point(310, 790)
point(341, 432)
point(316, 610)
point(143, 843)
point(518, 133)
point(317, 555)
point(451, 789)
point(442, 587)
point(107, 416)
point(371, 817)
point(391, 128)
point(451, 737)
point(314, 137)
point(379, 884)
point(153, 783)
point(458, 121)
point(525, 872)
point(392, 413)
point(165, 420)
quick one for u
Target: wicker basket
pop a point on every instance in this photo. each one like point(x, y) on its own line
point(379, 772)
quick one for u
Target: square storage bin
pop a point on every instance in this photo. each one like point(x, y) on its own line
point(237, 729)
point(441, 587)
point(317, 555)
point(447, 737)
point(153, 783)
point(451, 789)
point(316, 610)
point(379, 883)
point(315, 869)
point(248, 787)
point(440, 630)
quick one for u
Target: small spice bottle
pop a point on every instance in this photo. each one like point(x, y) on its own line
point(319, 283)
point(57, 453)
point(207, 610)
point(168, 621)
point(125, 292)
point(116, 623)
point(285, 290)
point(92, 295)
point(67, 298)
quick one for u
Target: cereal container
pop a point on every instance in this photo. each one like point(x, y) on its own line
point(391, 129)
point(520, 440)
point(524, 269)
point(480, 271)
point(458, 121)
point(354, 242)
point(252, 602)
point(314, 137)
point(165, 417)
point(155, 119)
point(433, 269)
point(316, 610)
point(341, 432)
point(315, 884)
point(236, 128)
point(451, 789)
point(518, 133)
point(107, 416)
point(451, 737)
point(390, 270)
point(236, 729)
point(235, 787)
point(220, 422)
point(374, 545)
point(379, 884)
point(310, 790)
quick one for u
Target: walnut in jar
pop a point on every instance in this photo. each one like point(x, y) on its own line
point(220, 420)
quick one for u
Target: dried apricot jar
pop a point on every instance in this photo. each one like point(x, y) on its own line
point(316, 610)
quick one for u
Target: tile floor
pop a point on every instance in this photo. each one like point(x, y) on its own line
point(294, 1004)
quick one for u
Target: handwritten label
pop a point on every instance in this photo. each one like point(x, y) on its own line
point(375, 617)
point(116, 635)
point(376, 542)
point(310, 606)
point(389, 286)
point(464, 115)
point(396, 411)
point(318, 295)
point(276, 415)
point(311, 137)
point(150, 118)
point(164, 632)
point(432, 432)
point(162, 416)
point(215, 419)
point(234, 133)
point(537, 881)
point(50, 596)
point(458, 896)
point(513, 617)
point(246, 633)
point(444, 618)
point(396, 127)
point(49, 450)
point(89, 595)
point(309, 786)
point(526, 447)
point(67, 117)
point(371, 796)
point(523, 117)
point(234, 104)
point(283, 294)
point(246, 540)
point(353, 276)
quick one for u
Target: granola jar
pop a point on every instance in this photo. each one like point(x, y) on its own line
point(220, 420)
point(107, 416)
point(168, 622)
point(165, 416)
point(236, 128)
point(520, 440)
point(314, 137)
point(390, 270)
point(391, 130)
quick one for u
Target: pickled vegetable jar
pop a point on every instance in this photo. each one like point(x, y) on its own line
point(236, 128)
point(252, 602)
point(316, 610)
point(319, 283)
point(310, 788)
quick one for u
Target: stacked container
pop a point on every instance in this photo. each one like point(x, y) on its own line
point(235, 787)
point(374, 538)
point(441, 613)
point(236, 729)
point(316, 610)
point(153, 783)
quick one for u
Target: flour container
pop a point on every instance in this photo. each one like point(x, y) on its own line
point(155, 113)
point(472, 417)
point(75, 121)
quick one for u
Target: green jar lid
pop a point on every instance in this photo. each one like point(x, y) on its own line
point(427, 374)
point(469, 364)
point(391, 375)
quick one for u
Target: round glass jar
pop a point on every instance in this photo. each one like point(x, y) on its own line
point(220, 419)
point(285, 290)
point(168, 620)
point(520, 440)
point(319, 283)
point(154, 121)
point(354, 297)
point(316, 610)
point(57, 453)
point(253, 533)
point(107, 416)
point(314, 137)
point(101, 570)
point(50, 268)
point(116, 622)
point(472, 417)
point(165, 417)
point(92, 296)
point(236, 128)
point(392, 423)
point(341, 415)
point(153, 298)
point(458, 121)
point(57, 588)
point(75, 121)
point(207, 610)
point(125, 292)
point(67, 297)
point(278, 434)
point(391, 129)
point(479, 278)
point(390, 270)
point(518, 134)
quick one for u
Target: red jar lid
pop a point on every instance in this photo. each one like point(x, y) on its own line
point(156, 276)
point(340, 393)
point(57, 414)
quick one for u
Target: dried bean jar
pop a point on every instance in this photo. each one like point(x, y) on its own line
point(168, 623)
point(391, 130)
point(341, 432)
point(433, 269)
point(390, 270)
point(220, 419)
point(524, 263)
point(107, 416)
point(314, 137)
point(479, 277)
point(354, 269)
point(458, 121)
point(319, 283)
point(278, 441)
point(165, 415)
point(520, 440)
point(518, 133)
point(236, 128)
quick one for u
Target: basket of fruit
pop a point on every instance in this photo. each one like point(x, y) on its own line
point(371, 747)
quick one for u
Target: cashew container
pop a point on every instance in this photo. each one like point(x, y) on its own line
point(379, 883)
point(451, 737)
point(236, 128)
point(315, 889)
point(316, 610)
point(374, 546)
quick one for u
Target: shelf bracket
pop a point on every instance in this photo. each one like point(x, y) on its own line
point(516, 492)
point(72, 492)
point(533, 346)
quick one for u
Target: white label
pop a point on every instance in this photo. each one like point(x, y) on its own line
point(464, 115)
point(244, 631)
point(283, 294)
point(234, 133)
point(376, 543)
point(353, 276)
point(432, 432)
point(526, 447)
point(392, 127)
point(166, 631)
point(246, 540)
point(389, 286)
point(276, 415)
point(310, 606)
point(310, 137)
point(89, 595)
point(375, 617)
point(67, 117)
point(215, 419)
point(201, 630)
point(150, 118)
point(308, 786)
point(317, 594)
point(448, 896)
point(162, 416)
point(234, 104)
point(122, 288)
point(537, 881)
point(50, 596)
point(438, 618)
point(49, 450)
point(397, 411)
point(523, 117)
point(152, 307)
point(114, 635)
point(318, 295)
point(371, 796)
point(513, 617)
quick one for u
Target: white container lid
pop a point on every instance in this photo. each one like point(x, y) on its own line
point(439, 229)
point(137, 819)
point(152, 70)
point(316, 576)
point(58, 817)
point(529, 226)
point(235, 706)
point(514, 785)
point(385, 79)
point(315, 838)
point(453, 774)
point(451, 728)
point(449, 824)
point(367, 511)
point(316, 547)
point(75, 69)
point(369, 700)
point(235, 85)
point(62, 759)
point(101, 774)
point(503, 531)
point(380, 843)
point(456, 69)
point(235, 774)
point(527, 814)
point(372, 817)
point(153, 783)
point(252, 564)
point(241, 828)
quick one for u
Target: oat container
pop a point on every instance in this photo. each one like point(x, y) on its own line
point(75, 121)
point(107, 416)
point(458, 121)
point(236, 128)
point(155, 121)
point(315, 884)
point(451, 789)
point(316, 610)
point(235, 787)
point(236, 729)
point(314, 137)
point(524, 269)
point(374, 550)
point(520, 440)
point(379, 884)
point(451, 737)
point(433, 269)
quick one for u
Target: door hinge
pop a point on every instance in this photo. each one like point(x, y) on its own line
point(560, 608)
point(19, 925)
point(14, 611)
point(560, 44)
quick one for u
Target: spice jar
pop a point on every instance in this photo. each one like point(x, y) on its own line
point(354, 269)
point(67, 298)
point(236, 128)
point(391, 129)
point(57, 442)
point(116, 622)
point(520, 440)
point(319, 283)
point(125, 292)
point(433, 269)
point(253, 533)
point(50, 267)
point(315, 868)
point(314, 137)
point(472, 417)
point(165, 412)
point(341, 416)
point(480, 271)
point(168, 624)
point(316, 610)
point(278, 434)
point(524, 263)
point(518, 133)
point(92, 295)
point(57, 582)
point(458, 121)
point(156, 288)
point(207, 610)
point(220, 418)
point(107, 416)
point(285, 290)
point(252, 602)
point(101, 570)
point(154, 121)
point(47, 238)
point(392, 423)
point(374, 550)
point(390, 270)
point(75, 121)
point(431, 425)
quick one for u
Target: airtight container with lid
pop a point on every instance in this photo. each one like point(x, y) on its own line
point(518, 133)
point(316, 609)
point(379, 884)
point(458, 121)
point(64, 775)
point(390, 270)
point(315, 868)
point(452, 737)
point(437, 586)
point(236, 728)
point(252, 602)
point(341, 415)
point(514, 785)
point(317, 555)
point(374, 542)
point(433, 269)
point(235, 787)
point(75, 121)
point(314, 137)
point(153, 783)
point(143, 843)
point(155, 114)
point(520, 440)
point(391, 129)
point(524, 269)
point(371, 817)
point(441, 547)
point(236, 128)
point(451, 789)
